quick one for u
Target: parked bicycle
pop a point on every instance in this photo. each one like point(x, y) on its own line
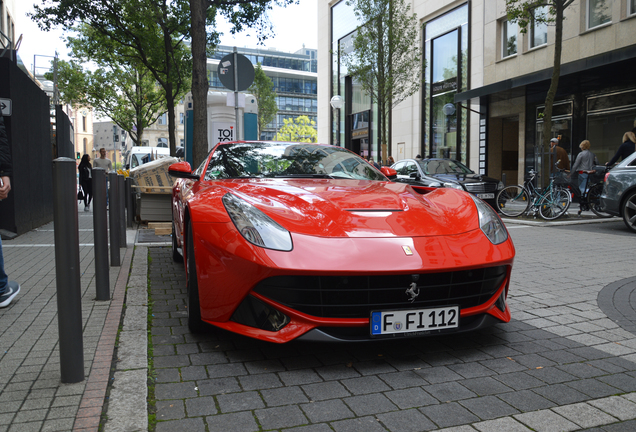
point(551, 202)
point(591, 199)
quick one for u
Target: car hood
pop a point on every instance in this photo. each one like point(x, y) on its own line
point(464, 178)
point(351, 208)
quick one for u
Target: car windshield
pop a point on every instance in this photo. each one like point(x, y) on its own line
point(444, 166)
point(287, 160)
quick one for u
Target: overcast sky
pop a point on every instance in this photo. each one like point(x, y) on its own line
point(294, 26)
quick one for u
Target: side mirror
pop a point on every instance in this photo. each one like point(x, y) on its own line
point(415, 175)
point(182, 170)
point(389, 172)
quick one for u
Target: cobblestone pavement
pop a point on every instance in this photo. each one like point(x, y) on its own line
point(563, 363)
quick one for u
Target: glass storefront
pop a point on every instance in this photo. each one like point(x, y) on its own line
point(445, 123)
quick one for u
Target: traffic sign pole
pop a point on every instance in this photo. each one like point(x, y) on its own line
point(236, 104)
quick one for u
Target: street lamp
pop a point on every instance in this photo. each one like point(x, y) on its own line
point(336, 103)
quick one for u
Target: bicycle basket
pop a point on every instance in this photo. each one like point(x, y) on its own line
point(561, 179)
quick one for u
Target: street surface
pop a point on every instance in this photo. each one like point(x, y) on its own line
point(567, 361)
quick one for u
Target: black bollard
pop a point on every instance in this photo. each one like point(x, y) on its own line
point(100, 234)
point(113, 218)
point(122, 210)
point(129, 203)
point(67, 270)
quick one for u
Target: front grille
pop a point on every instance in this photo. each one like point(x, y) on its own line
point(357, 296)
point(481, 187)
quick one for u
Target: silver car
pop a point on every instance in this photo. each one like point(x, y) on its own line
point(619, 191)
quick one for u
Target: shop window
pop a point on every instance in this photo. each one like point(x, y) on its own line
point(599, 12)
point(539, 30)
point(508, 38)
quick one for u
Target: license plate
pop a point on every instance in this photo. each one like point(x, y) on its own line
point(414, 320)
point(486, 196)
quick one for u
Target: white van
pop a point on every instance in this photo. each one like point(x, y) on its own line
point(141, 155)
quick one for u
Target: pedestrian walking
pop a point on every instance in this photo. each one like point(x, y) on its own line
point(559, 156)
point(625, 149)
point(103, 162)
point(390, 161)
point(86, 180)
point(585, 161)
point(8, 289)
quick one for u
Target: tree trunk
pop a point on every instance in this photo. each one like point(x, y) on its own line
point(198, 10)
point(554, 83)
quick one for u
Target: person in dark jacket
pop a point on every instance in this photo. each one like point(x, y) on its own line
point(8, 289)
point(628, 147)
point(86, 180)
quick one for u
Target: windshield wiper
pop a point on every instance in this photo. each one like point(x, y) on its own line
point(303, 176)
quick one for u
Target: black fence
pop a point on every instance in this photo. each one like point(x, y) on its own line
point(30, 204)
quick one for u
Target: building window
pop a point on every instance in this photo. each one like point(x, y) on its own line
point(508, 38)
point(631, 7)
point(539, 30)
point(446, 48)
point(84, 123)
point(144, 143)
point(599, 12)
point(162, 142)
point(180, 118)
point(162, 120)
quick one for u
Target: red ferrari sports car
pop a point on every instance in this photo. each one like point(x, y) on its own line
point(288, 241)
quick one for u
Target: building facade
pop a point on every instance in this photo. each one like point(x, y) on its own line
point(485, 82)
point(294, 76)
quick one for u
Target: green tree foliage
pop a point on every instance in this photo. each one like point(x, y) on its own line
point(241, 14)
point(299, 129)
point(521, 11)
point(263, 91)
point(152, 32)
point(121, 88)
point(386, 59)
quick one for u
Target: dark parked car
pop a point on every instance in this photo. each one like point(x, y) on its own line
point(448, 173)
point(619, 191)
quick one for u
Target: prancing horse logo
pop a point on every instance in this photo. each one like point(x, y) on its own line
point(413, 291)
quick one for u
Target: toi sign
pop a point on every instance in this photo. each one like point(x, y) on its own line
point(220, 132)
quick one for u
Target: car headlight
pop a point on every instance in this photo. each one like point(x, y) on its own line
point(500, 185)
point(453, 185)
point(489, 222)
point(256, 226)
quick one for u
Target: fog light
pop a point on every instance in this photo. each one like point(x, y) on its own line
point(255, 313)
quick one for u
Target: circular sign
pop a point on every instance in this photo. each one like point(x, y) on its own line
point(244, 67)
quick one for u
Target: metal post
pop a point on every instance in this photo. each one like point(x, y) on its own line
point(113, 216)
point(236, 104)
point(129, 203)
point(67, 270)
point(122, 210)
point(100, 234)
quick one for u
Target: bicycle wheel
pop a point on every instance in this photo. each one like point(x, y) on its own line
point(554, 204)
point(594, 201)
point(512, 201)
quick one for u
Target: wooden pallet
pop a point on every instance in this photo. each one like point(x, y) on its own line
point(161, 228)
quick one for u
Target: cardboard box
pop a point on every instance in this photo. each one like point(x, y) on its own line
point(154, 175)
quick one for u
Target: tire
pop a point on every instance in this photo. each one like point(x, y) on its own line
point(176, 256)
point(594, 201)
point(629, 211)
point(193, 306)
point(512, 201)
point(555, 204)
